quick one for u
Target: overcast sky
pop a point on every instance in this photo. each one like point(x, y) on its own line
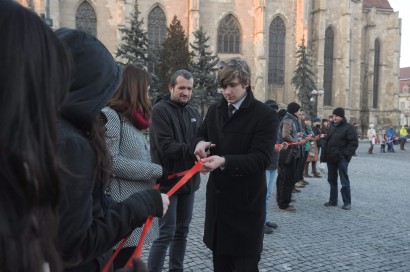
point(403, 7)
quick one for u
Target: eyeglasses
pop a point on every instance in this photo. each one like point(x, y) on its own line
point(231, 63)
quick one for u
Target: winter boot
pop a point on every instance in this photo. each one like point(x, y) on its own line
point(306, 171)
point(314, 170)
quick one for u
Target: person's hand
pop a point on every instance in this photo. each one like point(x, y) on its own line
point(202, 149)
point(137, 266)
point(212, 163)
point(165, 203)
point(285, 145)
point(278, 147)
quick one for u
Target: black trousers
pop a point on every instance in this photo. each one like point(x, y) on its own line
point(227, 263)
point(285, 182)
point(301, 166)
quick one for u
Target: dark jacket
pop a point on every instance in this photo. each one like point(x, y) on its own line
point(340, 142)
point(172, 129)
point(88, 229)
point(235, 197)
point(275, 155)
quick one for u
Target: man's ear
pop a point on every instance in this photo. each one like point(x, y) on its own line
point(170, 88)
point(247, 84)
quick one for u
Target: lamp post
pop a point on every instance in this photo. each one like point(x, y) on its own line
point(314, 98)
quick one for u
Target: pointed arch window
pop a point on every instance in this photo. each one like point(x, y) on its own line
point(156, 34)
point(276, 66)
point(376, 74)
point(86, 19)
point(328, 66)
point(229, 35)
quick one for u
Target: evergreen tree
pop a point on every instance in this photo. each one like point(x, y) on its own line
point(202, 67)
point(303, 80)
point(174, 54)
point(134, 48)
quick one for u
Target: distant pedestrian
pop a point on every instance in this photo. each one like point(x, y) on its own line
point(382, 140)
point(341, 143)
point(391, 138)
point(371, 135)
point(403, 136)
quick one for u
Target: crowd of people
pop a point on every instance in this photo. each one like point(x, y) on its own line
point(387, 137)
point(78, 173)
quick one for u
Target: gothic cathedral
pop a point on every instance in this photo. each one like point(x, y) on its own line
point(354, 44)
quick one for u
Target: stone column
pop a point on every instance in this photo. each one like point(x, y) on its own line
point(259, 74)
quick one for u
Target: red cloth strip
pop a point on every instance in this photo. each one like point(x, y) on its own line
point(137, 253)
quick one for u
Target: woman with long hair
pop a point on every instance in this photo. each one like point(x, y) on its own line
point(89, 225)
point(128, 115)
point(34, 77)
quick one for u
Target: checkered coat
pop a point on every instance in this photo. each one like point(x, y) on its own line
point(132, 169)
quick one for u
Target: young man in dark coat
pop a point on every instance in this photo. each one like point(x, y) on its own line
point(340, 145)
point(242, 130)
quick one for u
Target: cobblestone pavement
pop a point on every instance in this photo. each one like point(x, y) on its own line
point(373, 236)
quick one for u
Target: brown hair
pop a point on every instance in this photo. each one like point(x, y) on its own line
point(132, 93)
point(234, 68)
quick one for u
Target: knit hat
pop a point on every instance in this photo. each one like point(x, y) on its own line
point(339, 112)
point(293, 107)
point(272, 103)
point(371, 126)
point(316, 120)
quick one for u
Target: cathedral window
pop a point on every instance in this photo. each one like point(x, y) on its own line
point(328, 67)
point(86, 19)
point(229, 35)
point(156, 34)
point(376, 73)
point(276, 68)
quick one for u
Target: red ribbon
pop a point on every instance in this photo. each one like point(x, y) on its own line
point(137, 252)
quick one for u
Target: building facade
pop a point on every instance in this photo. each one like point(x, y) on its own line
point(404, 96)
point(354, 44)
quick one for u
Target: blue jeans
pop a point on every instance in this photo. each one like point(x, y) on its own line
point(333, 170)
point(270, 174)
point(173, 232)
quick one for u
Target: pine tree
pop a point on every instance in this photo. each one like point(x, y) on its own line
point(303, 80)
point(202, 67)
point(174, 54)
point(134, 46)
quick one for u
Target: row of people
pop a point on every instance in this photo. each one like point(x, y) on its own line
point(387, 137)
point(65, 153)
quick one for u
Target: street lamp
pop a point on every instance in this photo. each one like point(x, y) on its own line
point(313, 99)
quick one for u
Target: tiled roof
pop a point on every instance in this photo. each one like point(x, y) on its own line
point(404, 73)
point(381, 4)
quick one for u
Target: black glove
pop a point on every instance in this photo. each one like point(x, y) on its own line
point(137, 266)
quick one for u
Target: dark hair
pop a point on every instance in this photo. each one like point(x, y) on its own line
point(186, 74)
point(234, 68)
point(132, 94)
point(34, 77)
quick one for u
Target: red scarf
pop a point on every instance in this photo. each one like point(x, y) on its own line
point(140, 121)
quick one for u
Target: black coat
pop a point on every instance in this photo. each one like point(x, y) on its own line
point(340, 142)
point(172, 129)
point(88, 228)
point(236, 195)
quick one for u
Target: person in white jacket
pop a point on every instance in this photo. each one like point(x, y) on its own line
point(371, 134)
